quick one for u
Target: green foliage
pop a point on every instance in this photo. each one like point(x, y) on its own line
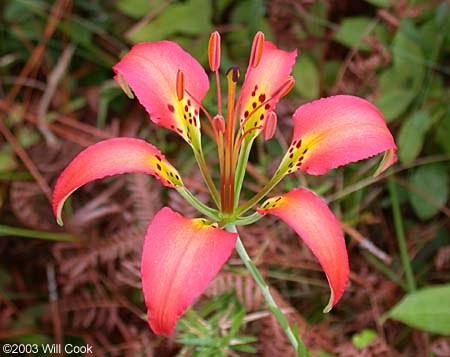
point(354, 30)
point(307, 78)
point(431, 190)
point(426, 309)
point(364, 338)
point(214, 329)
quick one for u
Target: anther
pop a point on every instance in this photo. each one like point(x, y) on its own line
point(257, 49)
point(214, 51)
point(180, 85)
point(270, 125)
point(285, 87)
point(233, 73)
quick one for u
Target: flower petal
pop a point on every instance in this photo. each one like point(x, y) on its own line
point(112, 157)
point(262, 83)
point(335, 131)
point(314, 222)
point(180, 258)
point(151, 70)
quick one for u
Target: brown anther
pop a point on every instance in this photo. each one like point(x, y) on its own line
point(270, 126)
point(180, 85)
point(233, 73)
point(257, 49)
point(214, 51)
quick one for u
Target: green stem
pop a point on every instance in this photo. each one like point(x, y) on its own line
point(240, 170)
point(243, 221)
point(201, 207)
point(208, 179)
point(295, 339)
point(400, 232)
point(260, 195)
point(29, 233)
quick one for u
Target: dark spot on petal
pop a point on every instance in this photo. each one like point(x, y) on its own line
point(189, 102)
point(298, 144)
point(254, 105)
point(246, 114)
point(171, 108)
point(267, 106)
point(262, 98)
point(158, 166)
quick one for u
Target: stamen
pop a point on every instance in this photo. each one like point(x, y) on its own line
point(285, 88)
point(180, 85)
point(270, 125)
point(234, 72)
point(214, 51)
point(257, 50)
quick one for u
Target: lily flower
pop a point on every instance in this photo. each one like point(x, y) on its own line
point(180, 255)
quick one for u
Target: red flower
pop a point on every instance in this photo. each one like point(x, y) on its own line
point(180, 255)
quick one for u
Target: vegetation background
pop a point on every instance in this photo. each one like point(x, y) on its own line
point(80, 284)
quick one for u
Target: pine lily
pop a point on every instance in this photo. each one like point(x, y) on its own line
point(180, 255)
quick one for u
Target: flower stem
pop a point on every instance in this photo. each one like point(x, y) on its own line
point(295, 339)
point(240, 170)
point(201, 207)
point(400, 232)
point(256, 198)
point(206, 175)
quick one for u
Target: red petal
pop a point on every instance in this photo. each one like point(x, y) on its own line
point(112, 157)
point(261, 84)
point(150, 69)
point(180, 258)
point(335, 131)
point(313, 221)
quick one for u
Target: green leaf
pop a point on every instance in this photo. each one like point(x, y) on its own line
point(411, 136)
point(408, 59)
point(394, 103)
point(426, 309)
point(431, 181)
point(352, 31)
point(364, 338)
point(379, 3)
point(137, 8)
point(192, 17)
point(306, 77)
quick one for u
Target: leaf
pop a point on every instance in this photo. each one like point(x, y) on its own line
point(192, 17)
point(411, 136)
point(364, 338)
point(426, 309)
point(306, 77)
point(379, 3)
point(137, 8)
point(394, 103)
point(433, 182)
point(352, 31)
point(408, 59)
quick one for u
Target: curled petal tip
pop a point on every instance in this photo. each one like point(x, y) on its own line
point(124, 85)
